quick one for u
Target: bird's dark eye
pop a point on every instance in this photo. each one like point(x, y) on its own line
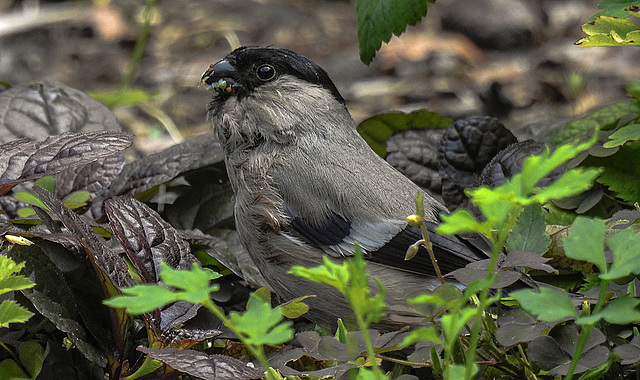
point(266, 72)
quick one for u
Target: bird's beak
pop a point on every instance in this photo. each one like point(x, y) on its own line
point(219, 77)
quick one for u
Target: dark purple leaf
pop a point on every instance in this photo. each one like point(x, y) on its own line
point(54, 299)
point(589, 359)
point(40, 109)
point(526, 259)
point(94, 177)
point(147, 239)
point(177, 314)
point(546, 354)
point(516, 326)
point(201, 365)
point(478, 270)
point(25, 159)
point(553, 353)
point(155, 169)
point(629, 353)
point(100, 255)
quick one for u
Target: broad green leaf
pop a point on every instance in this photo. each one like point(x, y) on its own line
point(32, 357)
point(621, 311)
point(328, 273)
point(621, 172)
point(529, 233)
point(616, 8)
point(12, 312)
point(77, 199)
point(537, 167)
point(586, 242)
point(8, 267)
point(10, 370)
point(611, 39)
point(601, 119)
point(142, 299)
point(461, 221)
point(26, 212)
point(572, 182)
point(48, 183)
point(377, 129)
point(379, 19)
point(625, 246)
point(549, 304)
point(294, 308)
point(428, 334)
point(29, 198)
point(629, 132)
point(458, 371)
point(261, 324)
point(194, 280)
point(606, 24)
point(15, 283)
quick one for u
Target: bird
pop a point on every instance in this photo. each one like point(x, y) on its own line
point(308, 186)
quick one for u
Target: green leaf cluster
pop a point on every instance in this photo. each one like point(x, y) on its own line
point(11, 311)
point(144, 298)
point(610, 27)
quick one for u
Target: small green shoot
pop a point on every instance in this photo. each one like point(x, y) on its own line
point(352, 280)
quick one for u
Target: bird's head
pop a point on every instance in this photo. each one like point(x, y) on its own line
point(265, 94)
point(248, 68)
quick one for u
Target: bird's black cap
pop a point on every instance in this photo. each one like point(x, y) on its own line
point(248, 67)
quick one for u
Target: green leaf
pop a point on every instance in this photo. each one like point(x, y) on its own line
point(26, 212)
point(32, 357)
point(616, 8)
point(629, 132)
point(29, 198)
point(12, 312)
point(601, 119)
point(294, 308)
point(621, 311)
point(572, 182)
point(77, 199)
point(379, 19)
point(195, 281)
point(625, 246)
point(328, 273)
point(377, 129)
point(606, 24)
point(549, 305)
point(420, 334)
point(452, 324)
point(142, 299)
point(621, 172)
point(586, 242)
point(458, 371)
point(8, 267)
point(261, 324)
point(48, 183)
point(15, 283)
point(461, 221)
point(529, 232)
point(10, 370)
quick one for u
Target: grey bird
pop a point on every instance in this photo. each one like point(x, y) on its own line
point(307, 185)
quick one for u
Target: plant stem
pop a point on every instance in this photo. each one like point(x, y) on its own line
point(141, 42)
point(586, 331)
point(371, 352)
point(497, 247)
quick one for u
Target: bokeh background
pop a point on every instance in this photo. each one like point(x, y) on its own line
point(513, 59)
